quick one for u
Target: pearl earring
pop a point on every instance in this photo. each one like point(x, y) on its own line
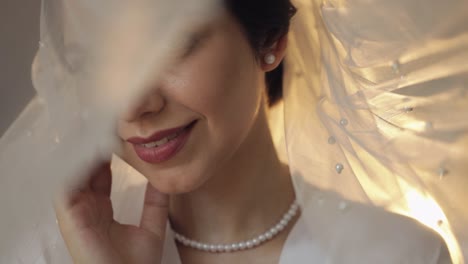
point(270, 58)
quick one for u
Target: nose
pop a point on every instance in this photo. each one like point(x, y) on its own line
point(150, 104)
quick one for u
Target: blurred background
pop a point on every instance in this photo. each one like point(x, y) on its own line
point(19, 37)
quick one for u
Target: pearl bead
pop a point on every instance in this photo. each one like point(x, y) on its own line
point(396, 67)
point(270, 58)
point(344, 122)
point(242, 245)
point(274, 231)
point(199, 246)
point(408, 109)
point(235, 247)
point(262, 238)
point(339, 168)
point(280, 227)
point(429, 126)
point(227, 248)
point(249, 244)
point(443, 172)
point(268, 235)
point(295, 207)
point(343, 206)
point(213, 248)
point(205, 247)
point(256, 242)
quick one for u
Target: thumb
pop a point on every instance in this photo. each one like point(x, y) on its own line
point(155, 211)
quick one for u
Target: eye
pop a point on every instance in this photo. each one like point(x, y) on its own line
point(192, 45)
point(194, 42)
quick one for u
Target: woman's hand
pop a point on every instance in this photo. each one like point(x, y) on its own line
point(92, 235)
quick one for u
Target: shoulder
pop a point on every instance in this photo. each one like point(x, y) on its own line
point(356, 233)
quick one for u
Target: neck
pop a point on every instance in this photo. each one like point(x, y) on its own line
point(245, 197)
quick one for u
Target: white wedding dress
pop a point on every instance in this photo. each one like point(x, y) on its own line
point(342, 235)
point(374, 120)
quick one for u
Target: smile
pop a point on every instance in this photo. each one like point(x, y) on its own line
point(162, 141)
point(162, 145)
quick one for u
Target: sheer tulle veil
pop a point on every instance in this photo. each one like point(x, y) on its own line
point(376, 106)
point(375, 109)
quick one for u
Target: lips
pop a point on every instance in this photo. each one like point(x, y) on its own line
point(162, 145)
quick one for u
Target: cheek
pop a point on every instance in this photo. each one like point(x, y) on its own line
point(223, 88)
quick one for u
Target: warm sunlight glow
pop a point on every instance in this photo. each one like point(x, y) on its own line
point(427, 211)
point(424, 209)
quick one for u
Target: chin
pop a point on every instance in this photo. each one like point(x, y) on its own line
point(175, 184)
point(172, 180)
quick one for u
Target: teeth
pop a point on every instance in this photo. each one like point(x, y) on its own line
point(173, 136)
point(161, 142)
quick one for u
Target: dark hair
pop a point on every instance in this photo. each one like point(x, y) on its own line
point(264, 22)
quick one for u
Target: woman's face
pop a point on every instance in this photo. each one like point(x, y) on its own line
point(196, 117)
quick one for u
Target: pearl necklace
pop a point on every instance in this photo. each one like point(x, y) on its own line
point(243, 245)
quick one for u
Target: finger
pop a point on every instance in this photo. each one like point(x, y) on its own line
point(155, 211)
point(101, 179)
point(97, 180)
point(63, 202)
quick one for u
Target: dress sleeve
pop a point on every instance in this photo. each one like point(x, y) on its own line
point(443, 255)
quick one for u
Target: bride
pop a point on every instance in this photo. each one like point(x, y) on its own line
point(201, 137)
point(219, 188)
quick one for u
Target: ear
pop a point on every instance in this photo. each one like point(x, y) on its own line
point(272, 57)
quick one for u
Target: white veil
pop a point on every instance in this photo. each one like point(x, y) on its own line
point(375, 109)
point(95, 58)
